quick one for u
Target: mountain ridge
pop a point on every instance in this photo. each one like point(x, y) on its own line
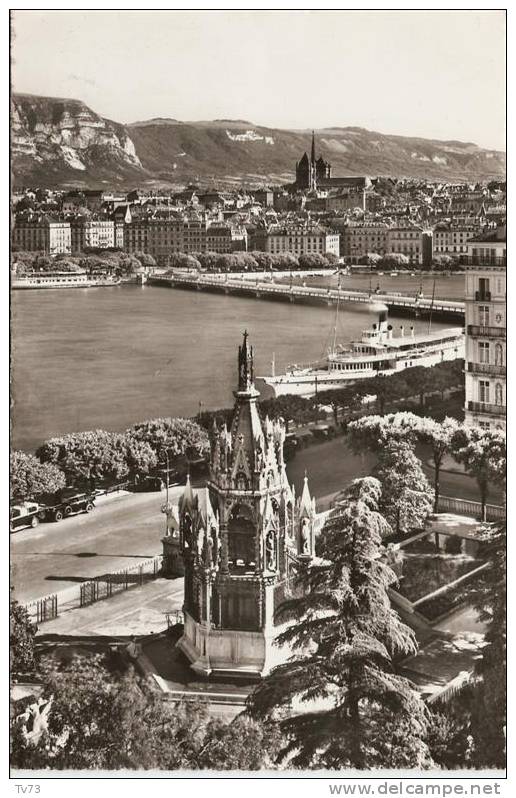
point(61, 142)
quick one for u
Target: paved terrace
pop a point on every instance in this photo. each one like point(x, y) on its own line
point(398, 303)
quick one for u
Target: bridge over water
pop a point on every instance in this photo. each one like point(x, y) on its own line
point(398, 304)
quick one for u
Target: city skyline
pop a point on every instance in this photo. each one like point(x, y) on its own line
point(403, 48)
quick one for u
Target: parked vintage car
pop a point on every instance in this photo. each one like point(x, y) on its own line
point(64, 503)
point(23, 515)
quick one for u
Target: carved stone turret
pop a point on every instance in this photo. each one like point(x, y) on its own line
point(238, 537)
point(306, 523)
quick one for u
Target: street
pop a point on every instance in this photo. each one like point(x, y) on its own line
point(127, 529)
point(117, 534)
point(331, 465)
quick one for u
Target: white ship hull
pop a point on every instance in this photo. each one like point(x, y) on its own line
point(21, 283)
point(308, 382)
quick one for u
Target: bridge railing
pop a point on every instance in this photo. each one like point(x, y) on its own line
point(285, 289)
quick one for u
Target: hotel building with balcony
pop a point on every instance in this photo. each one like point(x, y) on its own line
point(486, 330)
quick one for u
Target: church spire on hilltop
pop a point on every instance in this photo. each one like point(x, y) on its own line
point(312, 158)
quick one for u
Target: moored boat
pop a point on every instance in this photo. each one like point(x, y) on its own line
point(64, 280)
point(377, 352)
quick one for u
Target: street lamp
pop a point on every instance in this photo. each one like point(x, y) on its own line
point(167, 507)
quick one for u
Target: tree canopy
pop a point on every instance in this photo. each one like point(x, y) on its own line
point(21, 641)
point(29, 477)
point(338, 700)
point(178, 436)
point(405, 490)
point(102, 719)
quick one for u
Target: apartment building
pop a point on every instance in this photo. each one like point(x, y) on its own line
point(300, 241)
point(486, 330)
point(42, 234)
point(452, 240)
point(159, 237)
point(194, 234)
point(358, 239)
point(224, 239)
point(407, 241)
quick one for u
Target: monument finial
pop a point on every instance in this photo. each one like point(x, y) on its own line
point(245, 365)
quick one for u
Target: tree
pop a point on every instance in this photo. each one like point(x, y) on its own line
point(244, 744)
point(373, 432)
point(332, 258)
point(439, 437)
point(405, 489)
point(207, 260)
point(449, 737)
point(101, 718)
point(284, 261)
point(145, 259)
point(246, 262)
point(371, 259)
point(181, 261)
point(490, 696)
point(484, 456)
point(263, 260)
point(178, 436)
point(21, 640)
point(379, 387)
point(351, 708)
point(313, 260)
point(87, 458)
point(422, 381)
point(396, 259)
point(139, 455)
point(30, 478)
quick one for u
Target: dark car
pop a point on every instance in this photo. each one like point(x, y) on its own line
point(158, 480)
point(65, 503)
point(23, 515)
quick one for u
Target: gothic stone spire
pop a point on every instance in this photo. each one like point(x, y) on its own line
point(245, 366)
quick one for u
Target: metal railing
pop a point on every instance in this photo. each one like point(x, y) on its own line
point(482, 296)
point(486, 260)
point(107, 585)
point(484, 407)
point(487, 368)
point(89, 592)
point(42, 609)
point(489, 332)
point(450, 504)
point(329, 295)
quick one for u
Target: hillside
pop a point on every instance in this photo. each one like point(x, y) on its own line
point(59, 142)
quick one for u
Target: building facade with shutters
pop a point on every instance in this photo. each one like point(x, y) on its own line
point(486, 331)
point(42, 234)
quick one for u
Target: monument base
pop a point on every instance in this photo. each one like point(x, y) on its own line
point(227, 652)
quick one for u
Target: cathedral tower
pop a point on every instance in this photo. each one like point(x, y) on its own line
point(241, 539)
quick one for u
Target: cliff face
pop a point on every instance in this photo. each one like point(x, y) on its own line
point(63, 142)
point(57, 141)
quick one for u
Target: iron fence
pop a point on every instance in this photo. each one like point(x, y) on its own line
point(100, 587)
point(42, 609)
point(449, 504)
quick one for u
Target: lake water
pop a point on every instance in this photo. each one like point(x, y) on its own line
point(108, 357)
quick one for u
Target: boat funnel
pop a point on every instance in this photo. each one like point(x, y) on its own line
point(379, 308)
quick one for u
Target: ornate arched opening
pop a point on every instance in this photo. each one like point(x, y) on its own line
point(241, 538)
point(241, 481)
point(498, 355)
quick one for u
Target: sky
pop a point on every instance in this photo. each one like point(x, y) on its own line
point(435, 74)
